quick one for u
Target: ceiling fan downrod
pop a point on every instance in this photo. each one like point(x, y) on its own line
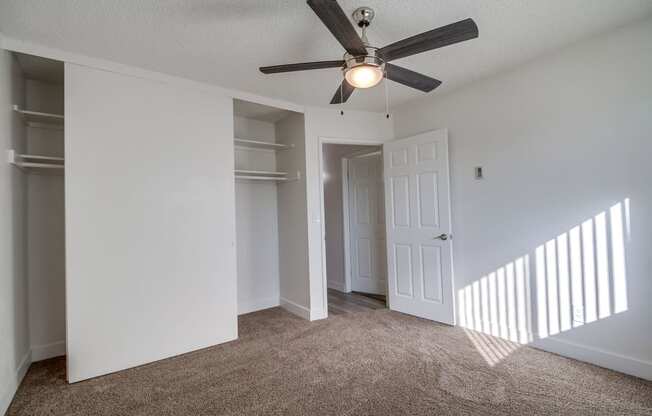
point(363, 16)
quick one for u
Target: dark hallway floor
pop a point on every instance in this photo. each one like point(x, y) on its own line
point(340, 302)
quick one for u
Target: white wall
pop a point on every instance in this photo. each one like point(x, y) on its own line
point(150, 221)
point(352, 127)
point(292, 218)
point(14, 325)
point(561, 139)
point(256, 221)
point(46, 230)
point(333, 211)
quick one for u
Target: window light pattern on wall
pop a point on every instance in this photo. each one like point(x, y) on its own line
point(579, 277)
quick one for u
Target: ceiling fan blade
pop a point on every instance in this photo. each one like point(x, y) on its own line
point(303, 66)
point(433, 39)
point(410, 78)
point(343, 93)
point(332, 15)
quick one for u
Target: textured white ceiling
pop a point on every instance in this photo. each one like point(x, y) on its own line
point(225, 41)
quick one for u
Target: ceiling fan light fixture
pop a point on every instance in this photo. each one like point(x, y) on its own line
point(364, 75)
point(364, 71)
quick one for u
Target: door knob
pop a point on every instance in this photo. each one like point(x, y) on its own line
point(443, 237)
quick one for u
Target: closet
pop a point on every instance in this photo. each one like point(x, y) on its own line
point(269, 147)
point(38, 157)
point(173, 209)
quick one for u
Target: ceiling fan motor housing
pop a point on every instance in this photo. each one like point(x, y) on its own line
point(363, 16)
point(371, 58)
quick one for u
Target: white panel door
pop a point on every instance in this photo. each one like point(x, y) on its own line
point(419, 250)
point(367, 225)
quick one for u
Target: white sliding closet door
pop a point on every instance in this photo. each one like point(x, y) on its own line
point(150, 226)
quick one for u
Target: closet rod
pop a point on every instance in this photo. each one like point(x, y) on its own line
point(262, 178)
point(37, 165)
point(37, 157)
point(33, 161)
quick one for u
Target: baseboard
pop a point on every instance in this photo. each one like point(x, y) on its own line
point(249, 306)
point(295, 308)
point(339, 286)
point(12, 386)
point(43, 352)
point(317, 314)
point(616, 362)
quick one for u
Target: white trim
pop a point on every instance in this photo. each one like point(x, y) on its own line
point(345, 225)
point(253, 305)
point(320, 168)
point(295, 308)
point(606, 359)
point(339, 286)
point(316, 314)
point(30, 48)
point(364, 153)
point(12, 386)
point(43, 352)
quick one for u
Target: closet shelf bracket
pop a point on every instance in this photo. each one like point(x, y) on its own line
point(295, 178)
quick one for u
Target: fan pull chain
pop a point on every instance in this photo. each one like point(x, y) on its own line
point(341, 97)
point(386, 94)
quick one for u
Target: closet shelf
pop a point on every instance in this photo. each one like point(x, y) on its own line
point(39, 117)
point(259, 172)
point(265, 176)
point(257, 144)
point(25, 161)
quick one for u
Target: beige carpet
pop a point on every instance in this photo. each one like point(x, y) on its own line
point(369, 363)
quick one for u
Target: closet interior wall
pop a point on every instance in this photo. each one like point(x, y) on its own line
point(256, 220)
point(45, 223)
point(270, 208)
point(45, 229)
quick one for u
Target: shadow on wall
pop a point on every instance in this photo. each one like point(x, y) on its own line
point(579, 278)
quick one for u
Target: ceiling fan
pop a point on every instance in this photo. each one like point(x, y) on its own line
point(364, 66)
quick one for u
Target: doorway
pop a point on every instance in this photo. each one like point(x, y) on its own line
point(418, 232)
point(354, 225)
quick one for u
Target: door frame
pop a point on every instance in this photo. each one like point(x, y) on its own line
point(322, 208)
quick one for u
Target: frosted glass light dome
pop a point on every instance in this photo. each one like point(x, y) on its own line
point(364, 76)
